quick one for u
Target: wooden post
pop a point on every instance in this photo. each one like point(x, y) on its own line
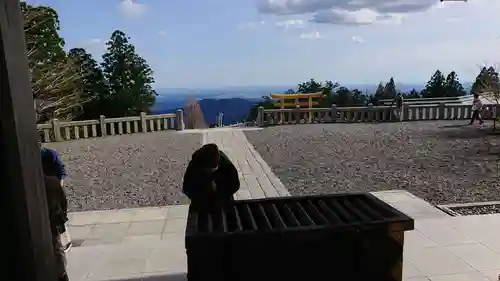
point(27, 254)
point(144, 125)
point(333, 112)
point(57, 129)
point(102, 122)
point(179, 119)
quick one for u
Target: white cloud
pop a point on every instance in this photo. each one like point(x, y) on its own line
point(290, 23)
point(357, 39)
point(453, 20)
point(314, 35)
point(162, 33)
point(95, 41)
point(131, 8)
point(348, 12)
point(250, 25)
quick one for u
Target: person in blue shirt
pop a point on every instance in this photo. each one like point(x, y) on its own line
point(52, 165)
point(54, 168)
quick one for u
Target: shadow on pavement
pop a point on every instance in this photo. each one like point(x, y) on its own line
point(165, 277)
point(463, 132)
point(455, 126)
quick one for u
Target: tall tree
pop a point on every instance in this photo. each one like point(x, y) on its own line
point(487, 77)
point(95, 91)
point(129, 78)
point(326, 88)
point(53, 75)
point(488, 84)
point(41, 27)
point(390, 89)
point(453, 87)
point(435, 86)
point(379, 94)
point(413, 94)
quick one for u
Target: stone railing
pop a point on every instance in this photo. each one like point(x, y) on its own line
point(74, 130)
point(336, 114)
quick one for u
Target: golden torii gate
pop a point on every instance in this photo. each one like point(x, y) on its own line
point(294, 101)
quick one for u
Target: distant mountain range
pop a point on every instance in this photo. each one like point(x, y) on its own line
point(236, 102)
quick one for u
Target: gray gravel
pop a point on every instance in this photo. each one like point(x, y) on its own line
point(126, 171)
point(440, 161)
point(478, 210)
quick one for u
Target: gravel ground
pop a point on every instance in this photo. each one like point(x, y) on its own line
point(442, 162)
point(479, 210)
point(126, 171)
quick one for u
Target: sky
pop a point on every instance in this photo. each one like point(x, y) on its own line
point(220, 43)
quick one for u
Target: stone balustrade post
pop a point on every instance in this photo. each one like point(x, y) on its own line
point(102, 123)
point(179, 120)
point(260, 116)
point(441, 110)
point(371, 113)
point(405, 113)
point(56, 128)
point(144, 125)
point(297, 114)
point(333, 112)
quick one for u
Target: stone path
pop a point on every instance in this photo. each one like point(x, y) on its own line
point(136, 243)
point(256, 178)
point(148, 243)
point(440, 248)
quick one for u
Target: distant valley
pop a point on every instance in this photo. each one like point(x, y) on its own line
point(236, 102)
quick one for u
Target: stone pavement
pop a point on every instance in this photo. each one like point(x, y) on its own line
point(148, 244)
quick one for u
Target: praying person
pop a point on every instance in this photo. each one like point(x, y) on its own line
point(211, 178)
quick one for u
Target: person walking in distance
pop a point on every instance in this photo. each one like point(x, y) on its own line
point(57, 204)
point(477, 107)
point(211, 178)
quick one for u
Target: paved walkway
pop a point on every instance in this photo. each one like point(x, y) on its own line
point(257, 179)
point(135, 244)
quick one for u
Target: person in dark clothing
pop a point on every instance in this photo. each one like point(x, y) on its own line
point(57, 204)
point(210, 178)
point(398, 100)
point(52, 165)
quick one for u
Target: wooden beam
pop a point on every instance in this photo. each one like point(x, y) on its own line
point(25, 224)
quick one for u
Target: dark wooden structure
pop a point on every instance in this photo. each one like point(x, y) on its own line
point(27, 253)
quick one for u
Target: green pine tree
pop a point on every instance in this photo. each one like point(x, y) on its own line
point(390, 89)
point(129, 78)
point(94, 88)
point(379, 94)
point(435, 87)
point(453, 87)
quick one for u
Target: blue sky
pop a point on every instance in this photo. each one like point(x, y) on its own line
point(216, 43)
